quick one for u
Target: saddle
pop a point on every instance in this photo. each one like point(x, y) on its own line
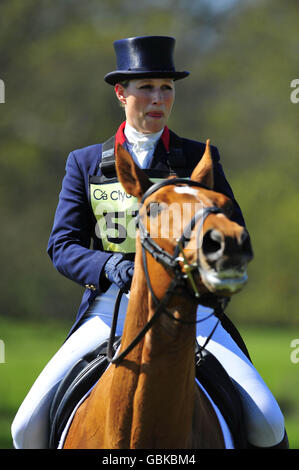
point(76, 383)
point(88, 370)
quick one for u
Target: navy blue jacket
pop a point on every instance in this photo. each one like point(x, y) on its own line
point(73, 247)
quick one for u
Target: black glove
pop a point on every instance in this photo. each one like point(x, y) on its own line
point(119, 271)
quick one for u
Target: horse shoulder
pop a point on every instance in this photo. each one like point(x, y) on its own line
point(87, 430)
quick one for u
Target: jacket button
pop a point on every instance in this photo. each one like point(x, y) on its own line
point(90, 286)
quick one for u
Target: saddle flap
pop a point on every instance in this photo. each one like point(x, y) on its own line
point(216, 381)
point(76, 383)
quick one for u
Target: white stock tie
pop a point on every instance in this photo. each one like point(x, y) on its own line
point(141, 145)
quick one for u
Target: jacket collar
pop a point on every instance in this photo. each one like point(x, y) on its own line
point(120, 137)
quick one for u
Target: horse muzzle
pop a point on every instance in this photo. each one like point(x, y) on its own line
point(224, 260)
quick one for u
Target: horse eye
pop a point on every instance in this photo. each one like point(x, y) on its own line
point(154, 209)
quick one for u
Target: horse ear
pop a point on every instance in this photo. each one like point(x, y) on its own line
point(133, 179)
point(203, 172)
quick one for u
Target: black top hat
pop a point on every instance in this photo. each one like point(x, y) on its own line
point(144, 56)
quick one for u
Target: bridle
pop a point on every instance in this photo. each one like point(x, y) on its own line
point(171, 263)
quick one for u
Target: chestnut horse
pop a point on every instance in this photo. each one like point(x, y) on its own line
point(149, 397)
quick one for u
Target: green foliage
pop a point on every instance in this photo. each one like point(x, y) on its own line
point(53, 56)
point(270, 196)
point(28, 348)
point(270, 352)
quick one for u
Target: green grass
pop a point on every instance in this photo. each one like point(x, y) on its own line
point(28, 347)
point(270, 351)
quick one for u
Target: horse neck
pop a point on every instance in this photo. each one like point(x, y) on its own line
point(163, 370)
point(137, 310)
point(168, 336)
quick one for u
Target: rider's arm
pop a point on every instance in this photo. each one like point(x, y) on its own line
point(69, 243)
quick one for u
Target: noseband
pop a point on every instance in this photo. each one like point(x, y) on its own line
point(171, 263)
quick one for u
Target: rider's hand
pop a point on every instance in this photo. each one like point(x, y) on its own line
point(119, 271)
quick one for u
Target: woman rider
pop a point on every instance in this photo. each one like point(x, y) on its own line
point(144, 85)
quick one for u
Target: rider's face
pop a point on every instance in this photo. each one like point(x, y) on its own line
point(147, 102)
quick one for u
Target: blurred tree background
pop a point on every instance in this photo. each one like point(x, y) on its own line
point(242, 54)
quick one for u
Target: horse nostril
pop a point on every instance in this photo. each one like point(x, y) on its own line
point(212, 242)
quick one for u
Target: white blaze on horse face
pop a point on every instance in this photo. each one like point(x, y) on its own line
point(186, 190)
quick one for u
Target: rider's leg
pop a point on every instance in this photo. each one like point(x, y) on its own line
point(263, 418)
point(30, 428)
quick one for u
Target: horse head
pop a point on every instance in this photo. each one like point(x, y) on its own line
point(188, 223)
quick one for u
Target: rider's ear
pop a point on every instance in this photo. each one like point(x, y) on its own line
point(203, 172)
point(133, 179)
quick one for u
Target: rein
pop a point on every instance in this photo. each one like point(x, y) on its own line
point(172, 263)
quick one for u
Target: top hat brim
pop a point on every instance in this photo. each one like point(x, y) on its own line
point(119, 75)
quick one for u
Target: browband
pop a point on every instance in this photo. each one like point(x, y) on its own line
point(172, 181)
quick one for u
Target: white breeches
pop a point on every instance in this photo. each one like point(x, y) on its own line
point(264, 420)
